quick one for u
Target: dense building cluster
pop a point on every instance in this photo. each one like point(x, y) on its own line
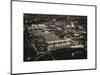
point(53, 31)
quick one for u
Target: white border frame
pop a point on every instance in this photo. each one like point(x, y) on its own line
point(14, 63)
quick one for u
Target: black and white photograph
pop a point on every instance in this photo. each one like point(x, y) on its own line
point(50, 37)
point(54, 37)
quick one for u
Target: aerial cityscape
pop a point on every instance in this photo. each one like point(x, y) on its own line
point(54, 37)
